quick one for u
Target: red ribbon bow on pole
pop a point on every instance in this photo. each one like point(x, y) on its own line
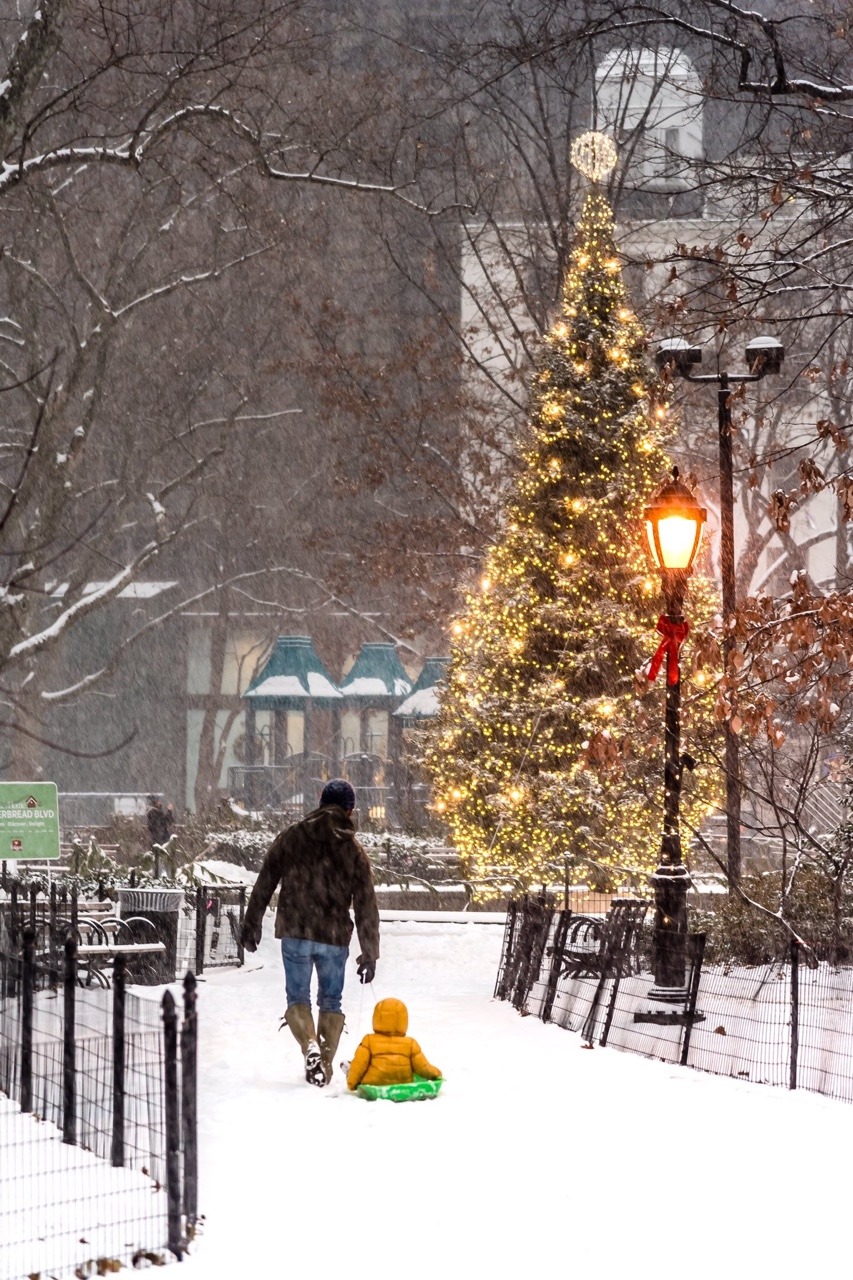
point(674, 634)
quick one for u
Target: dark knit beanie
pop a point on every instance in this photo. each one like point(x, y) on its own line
point(338, 791)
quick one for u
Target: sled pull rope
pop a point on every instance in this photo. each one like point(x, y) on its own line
point(360, 1024)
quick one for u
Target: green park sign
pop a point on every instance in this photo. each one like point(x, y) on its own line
point(29, 820)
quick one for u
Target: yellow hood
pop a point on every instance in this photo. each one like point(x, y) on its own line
point(390, 1018)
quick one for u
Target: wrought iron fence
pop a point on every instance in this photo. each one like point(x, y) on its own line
point(783, 1023)
point(201, 929)
point(210, 928)
point(98, 1147)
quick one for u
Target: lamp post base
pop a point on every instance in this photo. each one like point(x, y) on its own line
point(671, 882)
point(669, 1017)
point(668, 995)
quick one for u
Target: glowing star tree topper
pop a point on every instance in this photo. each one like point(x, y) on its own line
point(594, 155)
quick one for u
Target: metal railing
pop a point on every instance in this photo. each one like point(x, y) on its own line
point(782, 1022)
point(98, 1146)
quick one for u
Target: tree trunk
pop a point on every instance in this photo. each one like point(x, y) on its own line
point(209, 759)
point(26, 754)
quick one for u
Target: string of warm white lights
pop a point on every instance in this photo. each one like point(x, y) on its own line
point(545, 746)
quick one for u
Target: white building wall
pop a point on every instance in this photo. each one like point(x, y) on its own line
point(650, 101)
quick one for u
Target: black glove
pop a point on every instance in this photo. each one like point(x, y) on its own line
point(248, 941)
point(366, 970)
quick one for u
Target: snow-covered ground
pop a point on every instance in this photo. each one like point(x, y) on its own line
point(539, 1157)
point(60, 1205)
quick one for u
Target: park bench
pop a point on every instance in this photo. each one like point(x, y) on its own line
point(94, 959)
point(121, 950)
point(100, 938)
point(593, 946)
point(600, 948)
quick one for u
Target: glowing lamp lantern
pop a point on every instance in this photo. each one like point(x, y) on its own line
point(674, 527)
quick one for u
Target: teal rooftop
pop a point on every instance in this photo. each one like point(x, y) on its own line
point(422, 702)
point(293, 677)
point(376, 677)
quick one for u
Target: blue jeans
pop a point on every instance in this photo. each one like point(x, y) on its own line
point(300, 957)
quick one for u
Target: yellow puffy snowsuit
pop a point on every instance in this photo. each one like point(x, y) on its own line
point(389, 1056)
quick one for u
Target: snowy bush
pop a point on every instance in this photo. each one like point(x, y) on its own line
point(739, 933)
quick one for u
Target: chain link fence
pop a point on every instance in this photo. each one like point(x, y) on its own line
point(783, 1023)
point(98, 1147)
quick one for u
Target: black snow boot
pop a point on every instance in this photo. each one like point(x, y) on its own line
point(315, 1072)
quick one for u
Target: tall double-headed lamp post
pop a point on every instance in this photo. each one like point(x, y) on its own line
point(674, 523)
point(764, 356)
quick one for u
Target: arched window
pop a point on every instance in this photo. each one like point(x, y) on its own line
point(651, 101)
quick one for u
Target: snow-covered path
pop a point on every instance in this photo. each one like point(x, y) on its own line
point(539, 1157)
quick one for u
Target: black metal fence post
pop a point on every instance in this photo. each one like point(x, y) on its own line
point(241, 915)
point(69, 1062)
point(119, 984)
point(502, 983)
point(795, 1011)
point(557, 947)
point(173, 1126)
point(200, 928)
point(539, 918)
point(696, 952)
point(28, 976)
point(11, 971)
point(52, 927)
point(189, 1102)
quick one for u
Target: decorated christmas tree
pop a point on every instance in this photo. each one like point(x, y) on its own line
point(547, 745)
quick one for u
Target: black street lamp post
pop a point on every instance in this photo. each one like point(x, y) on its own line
point(674, 527)
point(763, 355)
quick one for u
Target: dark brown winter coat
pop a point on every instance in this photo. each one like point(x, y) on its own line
point(160, 823)
point(321, 871)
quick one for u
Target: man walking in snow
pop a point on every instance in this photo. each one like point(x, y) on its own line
point(321, 871)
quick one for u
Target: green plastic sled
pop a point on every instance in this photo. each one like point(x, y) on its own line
point(413, 1092)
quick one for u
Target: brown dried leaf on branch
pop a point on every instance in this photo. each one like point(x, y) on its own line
point(844, 489)
point(792, 663)
point(706, 650)
point(829, 430)
point(779, 510)
point(603, 752)
point(812, 479)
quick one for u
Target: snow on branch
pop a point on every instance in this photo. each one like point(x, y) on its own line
point(89, 681)
point(132, 154)
point(94, 678)
point(185, 279)
point(779, 84)
point(106, 591)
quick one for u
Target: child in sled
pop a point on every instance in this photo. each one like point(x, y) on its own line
point(389, 1056)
